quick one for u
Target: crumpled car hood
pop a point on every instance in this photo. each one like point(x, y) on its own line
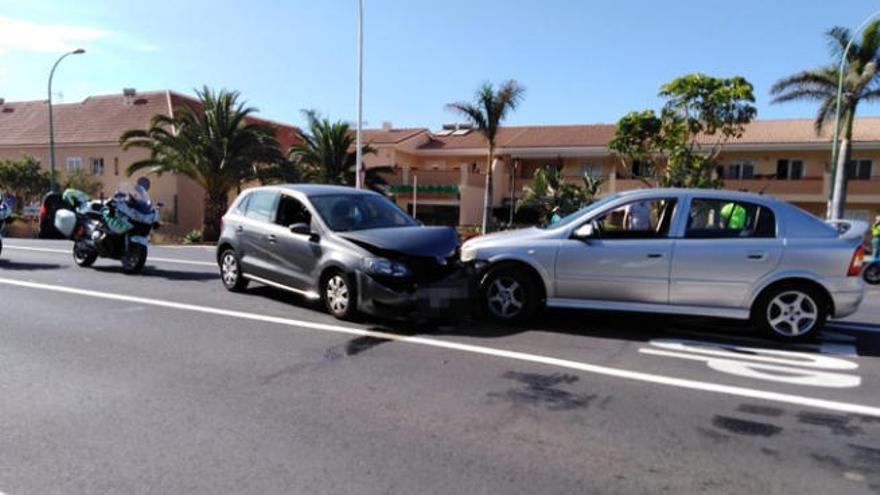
point(410, 241)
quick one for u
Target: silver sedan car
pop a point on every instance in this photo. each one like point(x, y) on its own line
point(679, 251)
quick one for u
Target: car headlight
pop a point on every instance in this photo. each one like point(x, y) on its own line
point(468, 255)
point(383, 266)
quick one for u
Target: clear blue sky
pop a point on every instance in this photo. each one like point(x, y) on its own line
point(581, 61)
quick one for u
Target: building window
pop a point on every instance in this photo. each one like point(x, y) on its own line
point(74, 164)
point(743, 170)
point(591, 170)
point(97, 166)
point(858, 169)
point(789, 169)
point(641, 169)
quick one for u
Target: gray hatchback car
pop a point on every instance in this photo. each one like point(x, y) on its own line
point(353, 249)
point(680, 251)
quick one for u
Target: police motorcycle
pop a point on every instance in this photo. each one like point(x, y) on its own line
point(118, 228)
point(5, 213)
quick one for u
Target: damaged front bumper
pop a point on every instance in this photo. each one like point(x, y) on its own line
point(448, 298)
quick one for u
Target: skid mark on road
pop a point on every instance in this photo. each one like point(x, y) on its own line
point(684, 383)
point(150, 258)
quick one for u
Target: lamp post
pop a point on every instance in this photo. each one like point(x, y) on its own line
point(78, 51)
point(359, 166)
point(838, 174)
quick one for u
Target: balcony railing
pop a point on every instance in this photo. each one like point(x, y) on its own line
point(864, 186)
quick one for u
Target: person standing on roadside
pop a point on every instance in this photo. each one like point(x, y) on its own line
point(875, 239)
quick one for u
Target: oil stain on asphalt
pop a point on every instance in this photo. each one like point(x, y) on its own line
point(745, 427)
point(353, 347)
point(545, 391)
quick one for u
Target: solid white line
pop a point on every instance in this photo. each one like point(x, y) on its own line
point(475, 349)
point(151, 258)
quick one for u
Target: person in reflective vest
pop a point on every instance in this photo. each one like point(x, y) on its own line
point(734, 216)
point(875, 238)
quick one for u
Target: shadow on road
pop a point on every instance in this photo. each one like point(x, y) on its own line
point(175, 275)
point(27, 267)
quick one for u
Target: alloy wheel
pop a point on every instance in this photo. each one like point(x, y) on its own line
point(792, 313)
point(505, 297)
point(337, 294)
point(229, 269)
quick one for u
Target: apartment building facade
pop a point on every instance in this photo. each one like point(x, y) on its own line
point(87, 138)
point(443, 173)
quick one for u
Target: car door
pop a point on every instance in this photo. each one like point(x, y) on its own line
point(254, 233)
point(626, 258)
point(293, 256)
point(728, 246)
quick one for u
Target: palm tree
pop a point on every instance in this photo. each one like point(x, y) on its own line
point(327, 154)
point(860, 84)
point(486, 113)
point(213, 143)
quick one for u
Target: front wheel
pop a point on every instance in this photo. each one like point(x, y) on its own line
point(790, 312)
point(872, 273)
point(339, 295)
point(134, 259)
point(83, 256)
point(508, 294)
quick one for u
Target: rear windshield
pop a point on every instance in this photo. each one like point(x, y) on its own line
point(348, 212)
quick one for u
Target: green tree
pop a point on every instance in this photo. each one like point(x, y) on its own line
point(486, 113)
point(23, 179)
point(84, 181)
point(327, 154)
point(701, 114)
point(860, 84)
point(549, 193)
point(213, 143)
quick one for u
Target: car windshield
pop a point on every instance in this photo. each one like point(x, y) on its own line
point(580, 213)
point(347, 212)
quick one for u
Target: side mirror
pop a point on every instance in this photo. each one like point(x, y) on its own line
point(585, 231)
point(301, 229)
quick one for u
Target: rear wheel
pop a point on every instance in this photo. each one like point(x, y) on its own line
point(230, 272)
point(872, 273)
point(339, 295)
point(134, 259)
point(791, 312)
point(83, 256)
point(508, 294)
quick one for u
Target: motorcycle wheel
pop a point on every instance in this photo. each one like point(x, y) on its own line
point(83, 256)
point(872, 273)
point(134, 259)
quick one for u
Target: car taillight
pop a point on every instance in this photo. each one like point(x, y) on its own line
point(855, 267)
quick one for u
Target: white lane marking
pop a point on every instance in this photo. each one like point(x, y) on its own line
point(797, 368)
point(476, 349)
point(151, 258)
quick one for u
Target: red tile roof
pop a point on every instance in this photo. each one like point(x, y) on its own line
point(97, 119)
point(391, 136)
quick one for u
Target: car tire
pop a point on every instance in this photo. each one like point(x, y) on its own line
point(83, 257)
point(508, 294)
point(339, 294)
point(230, 272)
point(790, 312)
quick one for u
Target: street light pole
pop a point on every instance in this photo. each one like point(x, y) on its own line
point(838, 174)
point(359, 166)
point(52, 185)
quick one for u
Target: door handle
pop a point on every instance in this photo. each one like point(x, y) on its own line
point(756, 256)
point(271, 238)
point(655, 255)
point(239, 229)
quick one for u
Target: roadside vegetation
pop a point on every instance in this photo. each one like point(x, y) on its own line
point(23, 180)
point(551, 194)
point(861, 84)
point(486, 113)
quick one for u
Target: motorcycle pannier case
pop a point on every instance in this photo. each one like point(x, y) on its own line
point(65, 222)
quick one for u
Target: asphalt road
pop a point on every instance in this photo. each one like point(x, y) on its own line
point(165, 383)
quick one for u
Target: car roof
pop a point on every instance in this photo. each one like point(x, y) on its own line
point(706, 193)
point(315, 189)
